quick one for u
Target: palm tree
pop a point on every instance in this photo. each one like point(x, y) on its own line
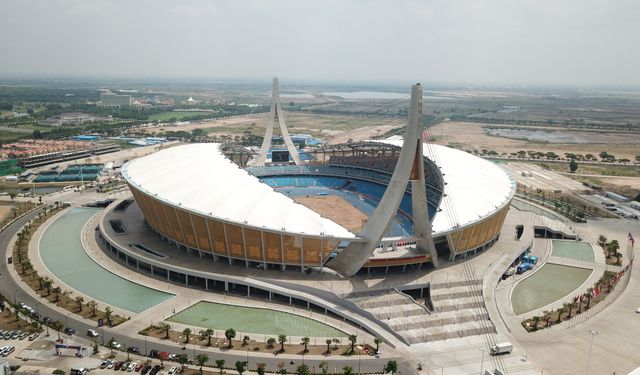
point(201, 359)
point(207, 333)
point(56, 293)
point(571, 306)
point(282, 339)
point(57, 325)
point(230, 333)
point(26, 266)
point(79, 301)
point(377, 341)
point(353, 339)
point(220, 364)
point(602, 241)
point(111, 345)
point(588, 295)
point(107, 313)
point(166, 327)
point(40, 282)
point(328, 341)
point(305, 342)
point(92, 305)
point(47, 282)
point(186, 332)
point(260, 368)
point(546, 315)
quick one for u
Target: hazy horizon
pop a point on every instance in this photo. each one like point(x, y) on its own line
point(573, 43)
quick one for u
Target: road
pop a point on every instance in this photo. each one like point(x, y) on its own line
point(14, 292)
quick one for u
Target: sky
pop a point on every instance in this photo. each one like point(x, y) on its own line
point(502, 42)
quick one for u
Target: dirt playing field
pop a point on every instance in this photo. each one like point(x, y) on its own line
point(470, 136)
point(335, 209)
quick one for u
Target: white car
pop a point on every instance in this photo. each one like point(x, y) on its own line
point(92, 333)
point(172, 371)
point(132, 366)
point(638, 310)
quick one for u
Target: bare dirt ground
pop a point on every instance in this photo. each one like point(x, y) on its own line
point(4, 211)
point(332, 128)
point(336, 209)
point(470, 136)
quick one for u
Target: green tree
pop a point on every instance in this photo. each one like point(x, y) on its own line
point(260, 368)
point(303, 369)
point(573, 165)
point(391, 366)
point(201, 359)
point(271, 342)
point(182, 359)
point(230, 333)
point(220, 364)
point(324, 367)
point(186, 332)
point(207, 333)
point(347, 370)
point(602, 241)
point(241, 366)
point(245, 340)
point(328, 341)
point(282, 339)
point(612, 248)
point(305, 342)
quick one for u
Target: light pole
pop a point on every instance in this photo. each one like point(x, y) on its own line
point(481, 361)
point(593, 333)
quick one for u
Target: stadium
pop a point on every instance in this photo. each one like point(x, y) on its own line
point(302, 215)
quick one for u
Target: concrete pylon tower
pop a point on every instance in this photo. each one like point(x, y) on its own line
point(276, 115)
point(409, 168)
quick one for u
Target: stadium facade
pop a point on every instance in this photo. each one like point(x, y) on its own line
point(424, 202)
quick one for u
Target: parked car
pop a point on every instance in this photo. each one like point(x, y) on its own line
point(154, 370)
point(92, 333)
point(111, 363)
point(33, 336)
point(145, 369)
point(139, 367)
point(8, 351)
point(172, 371)
point(118, 365)
point(125, 366)
point(133, 349)
point(132, 366)
point(104, 364)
